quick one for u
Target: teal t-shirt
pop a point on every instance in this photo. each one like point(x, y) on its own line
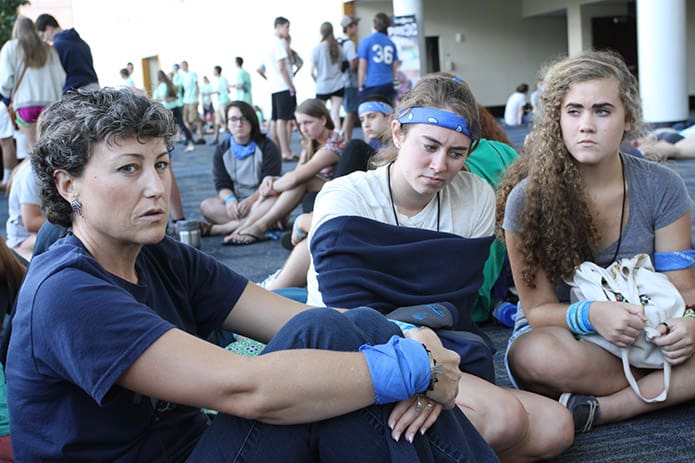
point(489, 161)
point(160, 93)
point(4, 412)
point(222, 91)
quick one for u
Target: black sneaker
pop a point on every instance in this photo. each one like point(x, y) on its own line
point(585, 410)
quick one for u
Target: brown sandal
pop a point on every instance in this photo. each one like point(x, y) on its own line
point(204, 228)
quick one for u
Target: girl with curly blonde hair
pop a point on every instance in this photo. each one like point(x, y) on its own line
point(583, 200)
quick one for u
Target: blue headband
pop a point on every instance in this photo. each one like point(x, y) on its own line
point(374, 106)
point(446, 119)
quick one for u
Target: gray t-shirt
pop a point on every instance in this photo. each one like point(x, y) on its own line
point(657, 198)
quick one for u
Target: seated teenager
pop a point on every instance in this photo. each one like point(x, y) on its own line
point(107, 359)
point(24, 210)
point(280, 195)
point(375, 119)
point(605, 206)
point(239, 165)
point(386, 237)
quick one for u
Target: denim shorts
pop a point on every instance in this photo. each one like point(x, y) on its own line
point(521, 326)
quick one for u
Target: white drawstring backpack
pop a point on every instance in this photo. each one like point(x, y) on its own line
point(632, 280)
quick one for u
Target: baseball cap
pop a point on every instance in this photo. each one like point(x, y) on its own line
point(347, 20)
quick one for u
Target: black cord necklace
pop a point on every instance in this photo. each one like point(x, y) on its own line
point(393, 205)
point(622, 209)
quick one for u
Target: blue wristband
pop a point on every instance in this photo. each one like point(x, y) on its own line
point(297, 231)
point(399, 369)
point(229, 199)
point(403, 325)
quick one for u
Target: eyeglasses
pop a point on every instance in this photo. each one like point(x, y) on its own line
point(234, 120)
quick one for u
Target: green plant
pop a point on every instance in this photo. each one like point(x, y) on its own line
point(8, 14)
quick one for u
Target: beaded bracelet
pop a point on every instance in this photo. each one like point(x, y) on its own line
point(689, 311)
point(434, 369)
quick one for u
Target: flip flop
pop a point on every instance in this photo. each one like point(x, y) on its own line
point(237, 242)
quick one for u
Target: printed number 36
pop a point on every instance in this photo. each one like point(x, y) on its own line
point(382, 54)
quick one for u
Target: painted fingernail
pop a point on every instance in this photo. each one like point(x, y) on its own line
point(410, 438)
point(397, 436)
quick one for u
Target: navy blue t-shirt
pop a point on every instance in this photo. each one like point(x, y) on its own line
point(78, 328)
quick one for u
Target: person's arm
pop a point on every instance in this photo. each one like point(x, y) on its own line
point(361, 73)
point(305, 172)
point(32, 218)
point(284, 387)
point(618, 322)
point(678, 345)
point(286, 74)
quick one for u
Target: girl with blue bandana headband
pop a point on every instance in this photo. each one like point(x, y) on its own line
point(419, 185)
point(239, 165)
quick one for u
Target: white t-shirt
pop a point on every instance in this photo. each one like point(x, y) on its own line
point(25, 190)
point(514, 104)
point(466, 208)
point(275, 80)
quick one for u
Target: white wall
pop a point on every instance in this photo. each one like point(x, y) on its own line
point(500, 48)
point(203, 32)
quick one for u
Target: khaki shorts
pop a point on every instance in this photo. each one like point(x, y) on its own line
point(190, 113)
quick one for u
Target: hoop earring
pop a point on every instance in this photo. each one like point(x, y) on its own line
point(76, 206)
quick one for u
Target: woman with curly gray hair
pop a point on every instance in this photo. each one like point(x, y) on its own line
point(584, 200)
point(108, 359)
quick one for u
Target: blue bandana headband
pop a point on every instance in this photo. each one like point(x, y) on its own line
point(374, 106)
point(431, 116)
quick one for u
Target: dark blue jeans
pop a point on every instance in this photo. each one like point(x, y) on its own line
point(362, 435)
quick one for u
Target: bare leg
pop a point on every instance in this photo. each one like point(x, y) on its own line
point(284, 204)
point(626, 404)
point(214, 210)
point(336, 103)
point(29, 132)
point(283, 135)
point(348, 125)
point(9, 158)
point(293, 272)
point(175, 206)
point(519, 426)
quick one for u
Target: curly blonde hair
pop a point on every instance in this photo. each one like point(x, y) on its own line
point(556, 228)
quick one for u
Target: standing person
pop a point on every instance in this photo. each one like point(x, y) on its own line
point(326, 63)
point(239, 165)
point(75, 54)
point(352, 96)
point(9, 151)
point(378, 61)
point(605, 206)
point(279, 74)
point(515, 108)
point(31, 74)
point(220, 103)
point(242, 82)
point(24, 210)
point(391, 229)
point(132, 384)
point(168, 94)
point(279, 196)
point(191, 95)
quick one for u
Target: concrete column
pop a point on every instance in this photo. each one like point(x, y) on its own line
point(575, 30)
point(662, 60)
point(415, 7)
